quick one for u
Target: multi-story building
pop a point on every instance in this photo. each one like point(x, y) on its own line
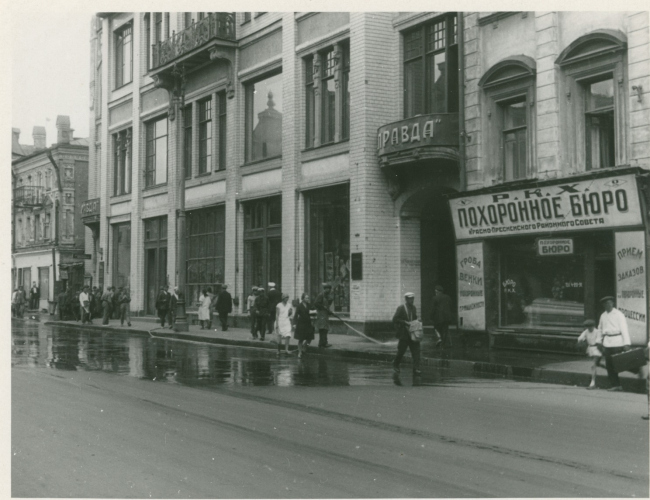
point(299, 148)
point(49, 184)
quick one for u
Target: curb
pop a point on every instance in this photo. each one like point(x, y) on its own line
point(465, 367)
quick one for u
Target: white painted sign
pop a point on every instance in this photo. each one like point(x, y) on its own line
point(631, 291)
point(547, 247)
point(471, 286)
point(565, 206)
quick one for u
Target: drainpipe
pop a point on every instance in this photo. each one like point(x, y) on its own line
point(57, 218)
point(461, 101)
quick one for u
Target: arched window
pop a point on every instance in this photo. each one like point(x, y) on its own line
point(594, 93)
point(509, 88)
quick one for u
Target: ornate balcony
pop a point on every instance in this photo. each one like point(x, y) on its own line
point(28, 196)
point(190, 46)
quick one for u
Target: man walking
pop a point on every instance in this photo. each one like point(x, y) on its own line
point(616, 338)
point(261, 313)
point(22, 299)
point(250, 305)
point(173, 301)
point(162, 304)
point(14, 303)
point(62, 304)
point(275, 297)
point(34, 296)
point(401, 321)
point(107, 301)
point(322, 304)
point(125, 306)
point(441, 316)
point(84, 306)
point(224, 307)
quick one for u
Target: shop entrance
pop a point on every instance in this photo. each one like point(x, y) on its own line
point(155, 260)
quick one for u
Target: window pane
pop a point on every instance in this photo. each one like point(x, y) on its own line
point(514, 115)
point(413, 89)
point(413, 44)
point(436, 36)
point(510, 155)
point(437, 79)
point(161, 160)
point(600, 140)
point(266, 118)
point(161, 127)
point(328, 111)
point(600, 95)
point(310, 117)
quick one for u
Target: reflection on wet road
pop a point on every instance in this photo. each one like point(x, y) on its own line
point(190, 363)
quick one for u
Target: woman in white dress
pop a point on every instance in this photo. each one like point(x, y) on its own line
point(283, 325)
point(204, 310)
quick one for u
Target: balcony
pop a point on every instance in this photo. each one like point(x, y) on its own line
point(422, 137)
point(28, 196)
point(191, 46)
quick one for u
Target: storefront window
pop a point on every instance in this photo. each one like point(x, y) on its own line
point(329, 243)
point(122, 253)
point(205, 251)
point(263, 243)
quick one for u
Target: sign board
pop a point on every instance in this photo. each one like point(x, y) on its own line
point(471, 286)
point(85, 256)
point(425, 130)
point(548, 247)
point(90, 208)
point(565, 206)
point(631, 291)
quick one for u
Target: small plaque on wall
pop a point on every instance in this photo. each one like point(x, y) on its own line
point(357, 266)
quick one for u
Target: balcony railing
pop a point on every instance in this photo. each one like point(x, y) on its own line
point(216, 25)
point(28, 196)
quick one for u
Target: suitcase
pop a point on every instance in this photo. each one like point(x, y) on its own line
point(630, 360)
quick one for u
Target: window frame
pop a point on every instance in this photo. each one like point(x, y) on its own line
point(222, 135)
point(122, 162)
point(249, 118)
point(150, 170)
point(205, 135)
point(188, 132)
point(119, 42)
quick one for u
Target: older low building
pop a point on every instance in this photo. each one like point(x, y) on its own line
point(50, 184)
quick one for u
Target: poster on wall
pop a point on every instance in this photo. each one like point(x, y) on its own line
point(471, 286)
point(631, 293)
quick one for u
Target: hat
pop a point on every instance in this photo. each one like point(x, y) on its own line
point(271, 285)
point(589, 322)
point(608, 297)
point(260, 289)
point(223, 287)
point(327, 285)
point(409, 294)
point(439, 288)
point(255, 288)
point(285, 296)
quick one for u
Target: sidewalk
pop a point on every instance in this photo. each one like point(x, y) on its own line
point(510, 364)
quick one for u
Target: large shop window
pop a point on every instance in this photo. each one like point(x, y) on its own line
point(264, 118)
point(124, 55)
point(263, 243)
point(540, 291)
point(431, 68)
point(121, 254)
point(156, 166)
point(205, 251)
point(155, 259)
point(122, 162)
point(328, 218)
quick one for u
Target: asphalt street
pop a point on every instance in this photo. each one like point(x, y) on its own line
point(94, 430)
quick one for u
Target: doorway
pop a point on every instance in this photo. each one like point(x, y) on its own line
point(155, 260)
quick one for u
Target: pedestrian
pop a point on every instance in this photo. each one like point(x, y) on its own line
point(322, 305)
point(173, 301)
point(304, 330)
point(125, 306)
point(441, 316)
point(616, 338)
point(283, 326)
point(274, 297)
point(84, 306)
point(34, 296)
point(402, 321)
point(204, 310)
point(594, 340)
point(62, 304)
point(115, 306)
point(21, 301)
point(224, 307)
point(162, 304)
point(261, 313)
point(14, 303)
point(250, 305)
point(98, 302)
point(107, 301)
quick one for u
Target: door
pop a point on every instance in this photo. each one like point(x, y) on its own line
point(254, 259)
point(275, 262)
point(151, 279)
point(27, 279)
point(44, 282)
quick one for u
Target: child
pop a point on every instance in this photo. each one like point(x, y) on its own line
point(594, 339)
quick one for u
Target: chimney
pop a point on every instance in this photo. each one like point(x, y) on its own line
point(63, 130)
point(39, 138)
point(15, 134)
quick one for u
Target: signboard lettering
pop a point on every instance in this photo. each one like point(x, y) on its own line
point(471, 287)
point(554, 246)
point(631, 293)
point(591, 204)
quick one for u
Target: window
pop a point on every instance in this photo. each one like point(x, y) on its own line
point(264, 118)
point(599, 123)
point(158, 26)
point(247, 17)
point(187, 141)
point(205, 136)
point(46, 227)
point(20, 233)
point(205, 252)
point(48, 180)
point(263, 242)
point(37, 227)
point(222, 129)
point(166, 25)
point(327, 74)
point(514, 139)
point(122, 254)
point(156, 151)
point(147, 44)
point(431, 68)
point(124, 56)
point(122, 162)
point(187, 19)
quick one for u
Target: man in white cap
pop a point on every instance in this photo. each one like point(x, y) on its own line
point(402, 320)
point(250, 306)
point(322, 305)
point(616, 338)
point(275, 297)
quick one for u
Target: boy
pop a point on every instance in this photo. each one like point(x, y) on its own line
point(594, 339)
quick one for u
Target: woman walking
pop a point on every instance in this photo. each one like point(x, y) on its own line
point(304, 329)
point(283, 327)
point(204, 310)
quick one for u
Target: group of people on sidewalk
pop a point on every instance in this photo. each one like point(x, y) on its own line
point(210, 303)
point(19, 300)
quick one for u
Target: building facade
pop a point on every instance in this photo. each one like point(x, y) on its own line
point(49, 184)
point(299, 148)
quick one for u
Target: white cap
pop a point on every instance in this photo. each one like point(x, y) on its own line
point(271, 285)
point(409, 294)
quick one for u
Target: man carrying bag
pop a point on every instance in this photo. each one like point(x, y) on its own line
point(408, 331)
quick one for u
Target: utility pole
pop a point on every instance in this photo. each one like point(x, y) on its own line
point(181, 324)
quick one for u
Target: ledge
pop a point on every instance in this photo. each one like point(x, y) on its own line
point(154, 190)
point(261, 165)
point(325, 151)
point(494, 17)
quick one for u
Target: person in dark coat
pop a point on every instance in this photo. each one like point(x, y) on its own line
point(62, 304)
point(304, 332)
point(261, 313)
point(322, 304)
point(34, 296)
point(98, 292)
point(275, 297)
point(441, 315)
point(401, 320)
point(224, 307)
point(125, 306)
point(107, 304)
point(173, 301)
point(162, 304)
